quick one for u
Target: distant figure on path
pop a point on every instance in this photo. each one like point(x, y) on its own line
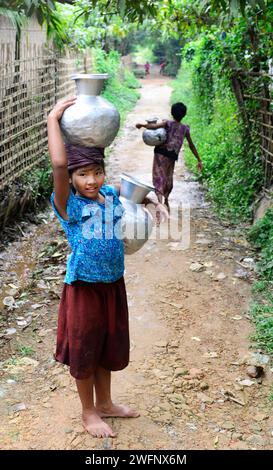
point(165, 155)
point(162, 66)
point(147, 68)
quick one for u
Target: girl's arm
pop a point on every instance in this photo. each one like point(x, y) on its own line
point(152, 126)
point(194, 151)
point(58, 155)
point(117, 186)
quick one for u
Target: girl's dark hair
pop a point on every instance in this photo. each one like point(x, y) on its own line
point(178, 110)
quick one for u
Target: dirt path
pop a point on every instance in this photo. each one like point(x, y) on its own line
point(189, 333)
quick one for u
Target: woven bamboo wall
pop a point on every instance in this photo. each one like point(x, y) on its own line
point(259, 98)
point(28, 90)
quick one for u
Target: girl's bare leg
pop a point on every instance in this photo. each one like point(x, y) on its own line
point(90, 417)
point(104, 405)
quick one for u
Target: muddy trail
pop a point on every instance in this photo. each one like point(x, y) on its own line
point(190, 349)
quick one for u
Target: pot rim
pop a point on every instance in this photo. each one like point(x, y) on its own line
point(135, 181)
point(92, 76)
point(151, 120)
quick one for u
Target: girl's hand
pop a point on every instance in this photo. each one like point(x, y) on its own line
point(59, 107)
point(158, 211)
point(162, 213)
point(138, 126)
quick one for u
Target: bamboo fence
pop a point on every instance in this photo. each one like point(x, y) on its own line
point(28, 90)
point(259, 98)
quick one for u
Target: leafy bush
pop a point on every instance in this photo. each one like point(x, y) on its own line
point(261, 236)
point(120, 89)
point(263, 319)
point(143, 53)
point(39, 181)
point(262, 314)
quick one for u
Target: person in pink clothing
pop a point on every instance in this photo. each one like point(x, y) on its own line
point(162, 66)
point(147, 67)
point(165, 155)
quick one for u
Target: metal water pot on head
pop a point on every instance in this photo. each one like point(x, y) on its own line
point(137, 221)
point(154, 137)
point(92, 121)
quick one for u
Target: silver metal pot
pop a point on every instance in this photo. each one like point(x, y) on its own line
point(91, 121)
point(154, 137)
point(137, 225)
point(137, 221)
point(133, 189)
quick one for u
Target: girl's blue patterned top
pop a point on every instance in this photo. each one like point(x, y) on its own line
point(94, 233)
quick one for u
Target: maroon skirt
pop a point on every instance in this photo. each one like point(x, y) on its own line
point(93, 327)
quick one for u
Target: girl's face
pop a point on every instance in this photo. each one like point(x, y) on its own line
point(88, 180)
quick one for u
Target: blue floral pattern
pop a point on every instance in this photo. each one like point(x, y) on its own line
point(94, 233)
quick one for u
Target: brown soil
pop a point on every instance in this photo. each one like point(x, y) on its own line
point(189, 331)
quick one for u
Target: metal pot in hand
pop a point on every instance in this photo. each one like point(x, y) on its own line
point(154, 137)
point(137, 221)
point(133, 189)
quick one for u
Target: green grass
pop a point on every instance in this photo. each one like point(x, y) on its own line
point(25, 350)
point(12, 361)
point(271, 394)
point(261, 311)
point(261, 236)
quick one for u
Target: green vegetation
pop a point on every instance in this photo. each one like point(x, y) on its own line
point(11, 361)
point(271, 394)
point(25, 350)
point(121, 88)
point(39, 182)
point(261, 311)
point(232, 167)
point(261, 236)
point(143, 54)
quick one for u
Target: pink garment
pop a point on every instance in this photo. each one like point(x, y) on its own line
point(163, 168)
point(176, 133)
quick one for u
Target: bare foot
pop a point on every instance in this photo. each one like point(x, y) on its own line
point(93, 423)
point(117, 411)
